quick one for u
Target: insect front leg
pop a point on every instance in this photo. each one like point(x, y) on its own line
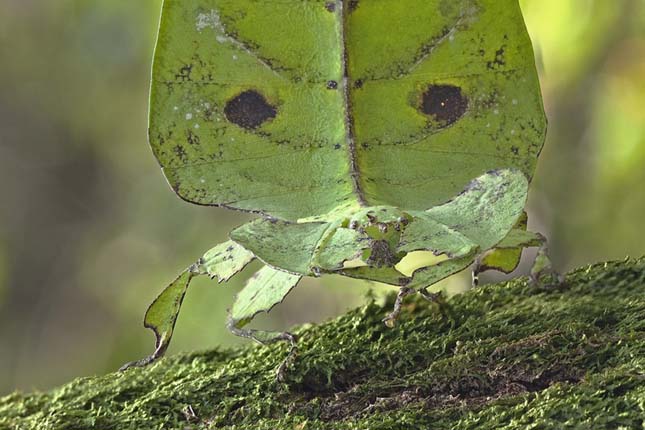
point(221, 263)
point(162, 315)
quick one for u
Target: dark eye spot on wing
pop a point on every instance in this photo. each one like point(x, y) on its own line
point(249, 110)
point(445, 103)
point(330, 6)
point(353, 4)
point(332, 85)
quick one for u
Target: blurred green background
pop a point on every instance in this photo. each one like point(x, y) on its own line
point(90, 232)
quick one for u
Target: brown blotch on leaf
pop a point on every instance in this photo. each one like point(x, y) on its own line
point(249, 110)
point(381, 255)
point(445, 103)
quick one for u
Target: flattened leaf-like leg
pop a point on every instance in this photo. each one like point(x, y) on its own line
point(221, 262)
point(162, 316)
point(263, 291)
point(224, 261)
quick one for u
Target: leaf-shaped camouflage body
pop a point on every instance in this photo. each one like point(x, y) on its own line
point(294, 108)
point(362, 130)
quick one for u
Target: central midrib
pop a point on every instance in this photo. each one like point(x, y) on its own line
point(343, 13)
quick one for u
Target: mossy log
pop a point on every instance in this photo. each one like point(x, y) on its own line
point(504, 356)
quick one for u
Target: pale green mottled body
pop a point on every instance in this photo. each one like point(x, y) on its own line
point(360, 131)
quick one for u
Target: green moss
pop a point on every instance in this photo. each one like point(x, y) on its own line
point(504, 356)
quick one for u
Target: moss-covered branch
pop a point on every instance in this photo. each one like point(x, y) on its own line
point(503, 356)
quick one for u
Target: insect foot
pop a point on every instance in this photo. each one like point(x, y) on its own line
point(267, 337)
point(543, 275)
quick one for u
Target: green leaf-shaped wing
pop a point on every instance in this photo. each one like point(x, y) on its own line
point(241, 115)
point(486, 211)
point(450, 94)
point(294, 108)
point(476, 220)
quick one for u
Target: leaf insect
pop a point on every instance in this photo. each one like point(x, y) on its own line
point(359, 132)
